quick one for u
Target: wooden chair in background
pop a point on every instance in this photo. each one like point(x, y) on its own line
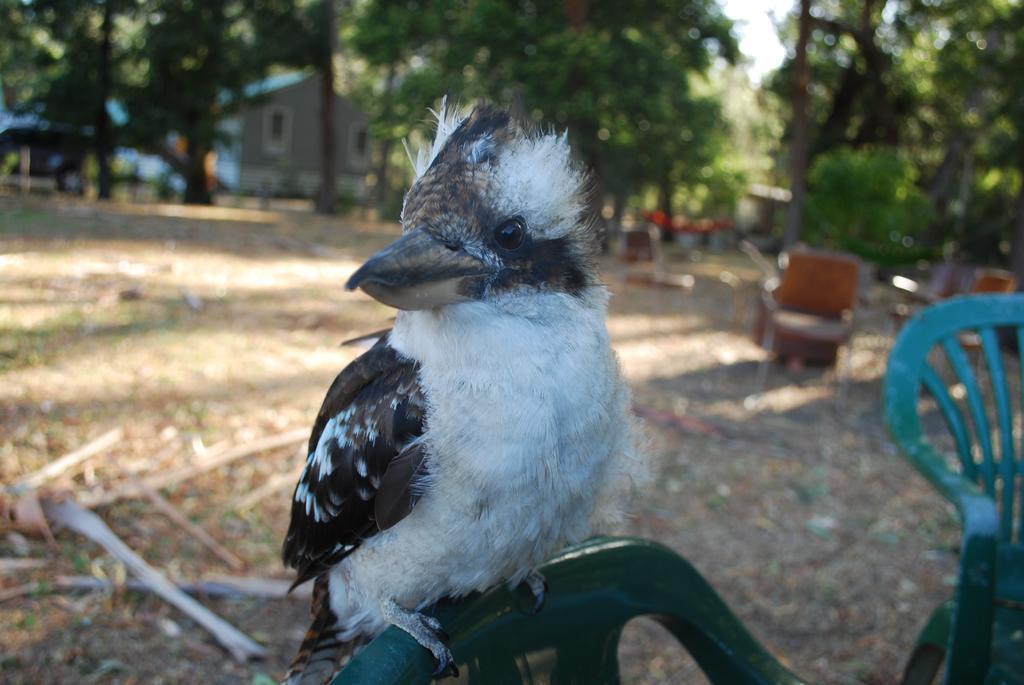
point(808, 311)
point(947, 280)
point(641, 261)
point(993, 281)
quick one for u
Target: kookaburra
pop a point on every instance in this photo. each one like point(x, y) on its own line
point(491, 426)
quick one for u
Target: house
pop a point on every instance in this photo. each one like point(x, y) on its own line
point(272, 145)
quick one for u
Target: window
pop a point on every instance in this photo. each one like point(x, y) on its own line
point(359, 143)
point(277, 130)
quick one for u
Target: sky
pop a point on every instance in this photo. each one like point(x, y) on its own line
point(756, 32)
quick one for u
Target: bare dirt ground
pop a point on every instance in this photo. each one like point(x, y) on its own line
point(194, 328)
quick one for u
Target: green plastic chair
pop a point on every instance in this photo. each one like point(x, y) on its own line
point(979, 634)
point(594, 590)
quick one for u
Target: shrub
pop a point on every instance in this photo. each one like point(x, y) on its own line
point(867, 202)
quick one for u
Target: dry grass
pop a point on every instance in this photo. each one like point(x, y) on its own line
point(800, 513)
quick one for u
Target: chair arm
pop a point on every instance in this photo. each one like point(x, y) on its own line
point(595, 589)
point(973, 617)
point(768, 288)
point(970, 639)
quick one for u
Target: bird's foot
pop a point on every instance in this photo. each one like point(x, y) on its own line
point(427, 631)
point(538, 587)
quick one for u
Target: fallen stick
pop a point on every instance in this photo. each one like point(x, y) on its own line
point(175, 476)
point(59, 466)
point(69, 514)
point(18, 591)
point(218, 587)
point(168, 510)
point(683, 424)
point(276, 482)
point(8, 565)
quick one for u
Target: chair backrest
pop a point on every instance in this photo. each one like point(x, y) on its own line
point(985, 443)
point(594, 590)
point(994, 281)
point(639, 245)
point(978, 470)
point(948, 279)
point(823, 283)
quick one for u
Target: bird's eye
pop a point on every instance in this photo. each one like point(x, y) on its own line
point(510, 234)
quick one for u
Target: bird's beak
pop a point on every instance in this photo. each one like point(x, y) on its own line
point(417, 272)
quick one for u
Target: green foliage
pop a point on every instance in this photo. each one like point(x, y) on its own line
point(345, 200)
point(939, 80)
point(8, 164)
point(164, 189)
point(867, 202)
point(616, 75)
point(18, 53)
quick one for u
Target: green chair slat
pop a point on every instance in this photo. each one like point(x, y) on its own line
point(1007, 454)
point(594, 590)
point(976, 405)
point(1020, 466)
point(955, 420)
point(1010, 583)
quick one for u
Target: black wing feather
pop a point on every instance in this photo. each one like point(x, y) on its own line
point(363, 461)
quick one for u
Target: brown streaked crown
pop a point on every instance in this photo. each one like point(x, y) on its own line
point(489, 172)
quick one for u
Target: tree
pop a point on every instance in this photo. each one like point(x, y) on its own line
point(19, 54)
point(1007, 67)
point(798, 148)
point(78, 91)
point(325, 202)
point(934, 80)
point(599, 69)
point(194, 60)
point(392, 38)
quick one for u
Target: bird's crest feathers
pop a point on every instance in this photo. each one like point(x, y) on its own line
point(447, 121)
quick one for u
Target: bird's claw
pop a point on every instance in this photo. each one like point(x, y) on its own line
point(445, 665)
point(538, 587)
point(427, 631)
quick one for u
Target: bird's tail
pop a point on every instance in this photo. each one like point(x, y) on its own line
point(322, 650)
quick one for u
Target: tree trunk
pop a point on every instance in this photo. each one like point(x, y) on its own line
point(618, 210)
point(576, 12)
point(665, 205)
point(197, 191)
point(833, 132)
point(325, 203)
point(798, 150)
point(8, 95)
point(383, 188)
point(102, 133)
point(1017, 256)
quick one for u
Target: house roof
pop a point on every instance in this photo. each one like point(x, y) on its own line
point(275, 82)
point(266, 85)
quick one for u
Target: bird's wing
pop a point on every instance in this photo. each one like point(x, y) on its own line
point(364, 461)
